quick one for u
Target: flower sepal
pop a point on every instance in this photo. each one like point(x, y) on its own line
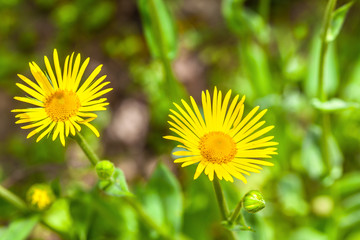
point(115, 185)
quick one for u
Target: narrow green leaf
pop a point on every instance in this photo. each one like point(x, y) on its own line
point(348, 184)
point(291, 195)
point(256, 67)
point(20, 229)
point(159, 28)
point(311, 156)
point(163, 199)
point(337, 20)
point(334, 105)
point(351, 219)
point(331, 72)
point(81, 219)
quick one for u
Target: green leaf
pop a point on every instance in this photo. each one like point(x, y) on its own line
point(243, 21)
point(20, 229)
point(348, 184)
point(307, 233)
point(336, 160)
point(116, 186)
point(334, 105)
point(291, 195)
point(352, 87)
point(159, 28)
point(58, 216)
point(163, 199)
point(256, 67)
point(81, 218)
point(311, 158)
point(337, 20)
point(351, 219)
point(331, 72)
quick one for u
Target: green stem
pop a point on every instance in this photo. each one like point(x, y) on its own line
point(325, 124)
point(224, 210)
point(323, 48)
point(146, 219)
point(12, 198)
point(94, 159)
point(236, 213)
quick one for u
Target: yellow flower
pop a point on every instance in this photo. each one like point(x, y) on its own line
point(40, 196)
point(62, 101)
point(221, 141)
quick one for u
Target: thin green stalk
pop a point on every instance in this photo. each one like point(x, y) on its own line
point(12, 198)
point(224, 210)
point(94, 159)
point(323, 48)
point(131, 201)
point(236, 213)
point(325, 122)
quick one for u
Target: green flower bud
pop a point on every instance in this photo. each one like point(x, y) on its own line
point(105, 169)
point(253, 201)
point(40, 196)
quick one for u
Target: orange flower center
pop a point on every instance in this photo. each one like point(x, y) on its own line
point(62, 105)
point(217, 147)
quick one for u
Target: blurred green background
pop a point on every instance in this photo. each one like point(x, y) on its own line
point(265, 49)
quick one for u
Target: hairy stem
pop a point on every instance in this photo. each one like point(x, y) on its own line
point(224, 210)
point(93, 158)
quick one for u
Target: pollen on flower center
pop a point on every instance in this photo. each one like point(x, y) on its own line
point(62, 105)
point(217, 147)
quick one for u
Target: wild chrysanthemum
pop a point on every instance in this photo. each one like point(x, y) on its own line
point(61, 100)
point(221, 141)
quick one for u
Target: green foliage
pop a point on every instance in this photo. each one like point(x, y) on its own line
point(159, 28)
point(266, 50)
point(20, 229)
point(337, 21)
point(163, 200)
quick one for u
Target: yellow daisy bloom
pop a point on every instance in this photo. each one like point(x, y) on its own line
point(221, 141)
point(62, 101)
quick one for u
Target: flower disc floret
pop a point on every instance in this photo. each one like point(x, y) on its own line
point(217, 147)
point(62, 105)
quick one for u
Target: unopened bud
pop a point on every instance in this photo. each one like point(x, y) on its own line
point(253, 201)
point(40, 196)
point(105, 169)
